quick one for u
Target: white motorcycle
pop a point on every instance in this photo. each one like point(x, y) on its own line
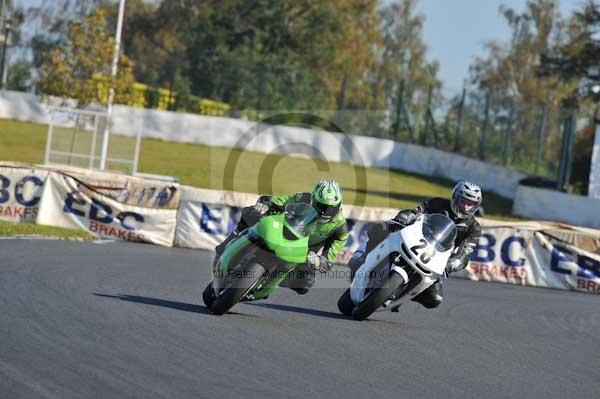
point(403, 265)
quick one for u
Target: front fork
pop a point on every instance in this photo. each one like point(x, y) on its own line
point(401, 291)
point(232, 254)
point(411, 280)
point(275, 271)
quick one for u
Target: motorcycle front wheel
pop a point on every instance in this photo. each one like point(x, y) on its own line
point(389, 283)
point(246, 276)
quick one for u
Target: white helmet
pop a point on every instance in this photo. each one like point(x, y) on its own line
point(466, 198)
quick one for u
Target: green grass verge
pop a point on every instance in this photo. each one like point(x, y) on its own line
point(204, 166)
point(26, 229)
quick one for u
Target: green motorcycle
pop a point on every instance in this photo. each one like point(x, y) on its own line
point(254, 264)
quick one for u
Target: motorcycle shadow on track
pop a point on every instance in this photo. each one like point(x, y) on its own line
point(183, 306)
point(312, 312)
point(297, 309)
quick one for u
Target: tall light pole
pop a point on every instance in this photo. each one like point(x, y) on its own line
point(111, 91)
point(4, 32)
point(3, 14)
point(3, 66)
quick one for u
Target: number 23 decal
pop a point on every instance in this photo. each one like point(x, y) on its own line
point(427, 254)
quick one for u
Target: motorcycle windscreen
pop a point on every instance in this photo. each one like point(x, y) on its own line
point(271, 230)
point(300, 219)
point(439, 231)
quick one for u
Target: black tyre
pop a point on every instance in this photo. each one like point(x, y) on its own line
point(249, 273)
point(208, 296)
point(389, 283)
point(345, 304)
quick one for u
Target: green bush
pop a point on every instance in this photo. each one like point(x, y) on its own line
point(144, 96)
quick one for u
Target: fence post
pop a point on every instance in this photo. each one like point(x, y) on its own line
point(399, 107)
point(49, 137)
point(261, 88)
point(459, 122)
point(564, 170)
point(73, 136)
point(541, 138)
point(425, 136)
point(569, 152)
point(93, 143)
point(436, 139)
point(411, 133)
point(136, 154)
point(593, 189)
point(559, 172)
point(484, 127)
point(508, 135)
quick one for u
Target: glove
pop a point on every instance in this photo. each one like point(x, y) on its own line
point(454, 264)
point(405, 218)
point(261, 208)
point(317, 262)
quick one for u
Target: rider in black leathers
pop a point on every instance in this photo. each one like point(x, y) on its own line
point(466, 199)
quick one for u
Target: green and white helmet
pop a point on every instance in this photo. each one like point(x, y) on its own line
point(327, 198)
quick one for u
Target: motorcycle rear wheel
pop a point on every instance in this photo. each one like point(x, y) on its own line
point(208, 296)
point(345, 304)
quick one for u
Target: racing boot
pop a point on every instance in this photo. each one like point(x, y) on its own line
point(251, 299)
point(356, 261)
point(395, 296)
point(432, 297)
point(299, 280)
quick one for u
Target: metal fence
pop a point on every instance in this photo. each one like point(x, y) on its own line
point(532, 138)
point(535, 139)
point(75, 139)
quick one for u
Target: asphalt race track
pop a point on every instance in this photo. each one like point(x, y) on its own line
point(84, 320)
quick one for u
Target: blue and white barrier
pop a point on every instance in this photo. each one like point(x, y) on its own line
point(539, 254)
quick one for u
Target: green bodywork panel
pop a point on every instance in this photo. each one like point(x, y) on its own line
point(322, 230)
point(231, 250)
point(270, 229)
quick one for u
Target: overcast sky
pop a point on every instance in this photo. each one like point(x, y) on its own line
point(456, 31)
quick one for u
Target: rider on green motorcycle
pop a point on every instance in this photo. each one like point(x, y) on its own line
point(329, 237)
